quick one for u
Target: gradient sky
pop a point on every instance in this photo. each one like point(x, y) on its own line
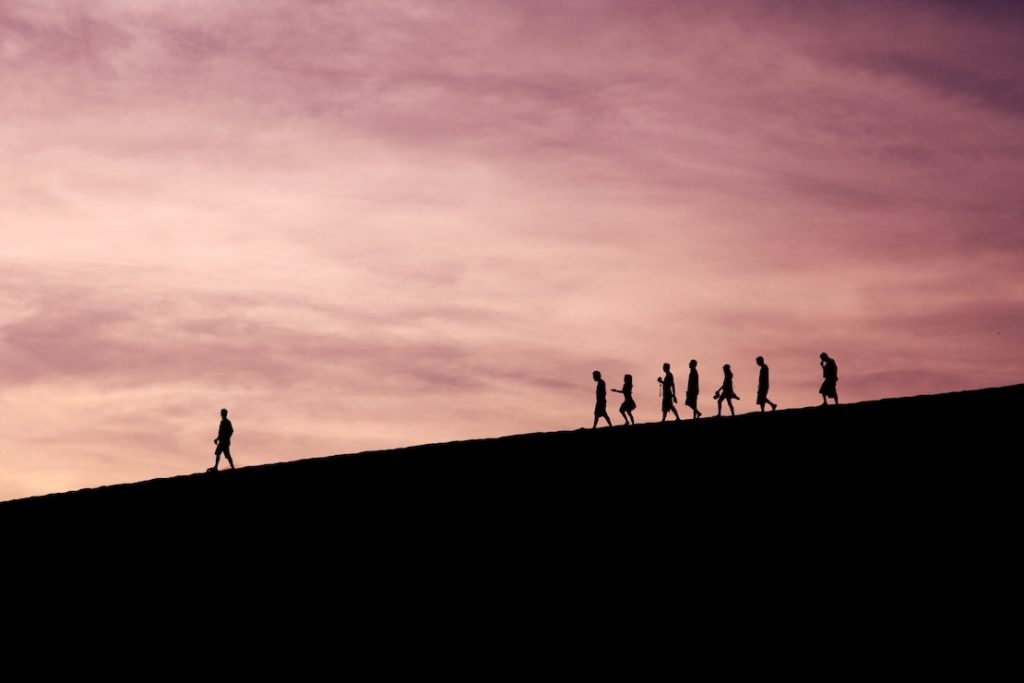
point(369, 224)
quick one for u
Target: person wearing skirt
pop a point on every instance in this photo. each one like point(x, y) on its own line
point(725, 392)
point(628, 404)
point(830, 371)
point(693, 389)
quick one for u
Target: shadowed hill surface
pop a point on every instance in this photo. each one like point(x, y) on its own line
point(849, 462)
point(813, 539)
point(816, 530)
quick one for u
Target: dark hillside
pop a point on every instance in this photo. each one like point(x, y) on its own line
point(914, 456)
point(813, 537)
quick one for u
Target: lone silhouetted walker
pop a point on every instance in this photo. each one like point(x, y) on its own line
point(223, 441)
point(628, 404)
point(762, 385)
point(601, 407)
point(693, 389)
point(668, 393)
point(725, 392)
point(831, 374)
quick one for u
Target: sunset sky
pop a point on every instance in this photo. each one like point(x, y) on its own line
point(369, 224)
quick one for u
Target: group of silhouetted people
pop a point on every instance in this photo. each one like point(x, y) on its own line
point(667, 385)
point(724, 394)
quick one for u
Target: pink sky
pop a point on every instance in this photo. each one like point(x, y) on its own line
point(369, 224)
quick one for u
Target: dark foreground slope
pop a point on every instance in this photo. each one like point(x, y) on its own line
point(908, 456)
point(872, 537)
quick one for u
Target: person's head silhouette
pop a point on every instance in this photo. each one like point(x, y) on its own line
point(665, 367)
point(693, 363)
point(597, 375)
point(628, 379)
point(759, 360)
point(824, 356)
point(727, 368)
point(223, 412)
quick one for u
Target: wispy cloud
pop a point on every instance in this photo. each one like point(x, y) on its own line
point(361, 224)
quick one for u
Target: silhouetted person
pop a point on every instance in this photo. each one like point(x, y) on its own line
point(762, 385)
point(725, 392)
point(692, 389)
point(668, 393)
point(831, 373)
point(601, 408)
point(628, 404)
point(223, 440)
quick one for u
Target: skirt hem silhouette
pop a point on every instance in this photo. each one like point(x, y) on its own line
point(828, 388)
